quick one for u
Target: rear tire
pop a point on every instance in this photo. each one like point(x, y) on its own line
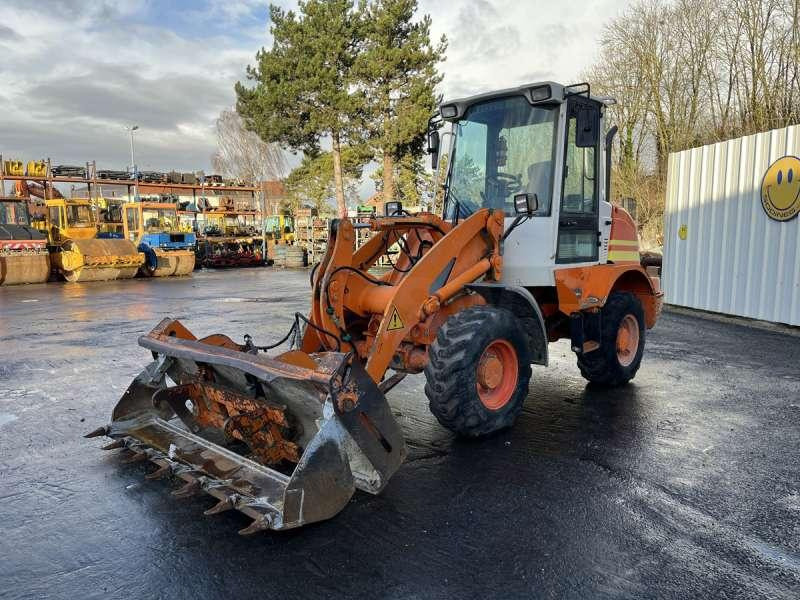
point(478, 371)
point(619, 356)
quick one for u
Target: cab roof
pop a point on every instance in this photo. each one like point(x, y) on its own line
point(543, 92)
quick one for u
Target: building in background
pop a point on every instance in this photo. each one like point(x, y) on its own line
point(732, 231)
point(275, 196)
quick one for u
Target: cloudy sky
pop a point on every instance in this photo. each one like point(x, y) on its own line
point(74, 73)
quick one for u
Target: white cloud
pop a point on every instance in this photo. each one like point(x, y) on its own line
point(75, 73)
point(504, 43)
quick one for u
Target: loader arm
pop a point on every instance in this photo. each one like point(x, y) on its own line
point(353, 311)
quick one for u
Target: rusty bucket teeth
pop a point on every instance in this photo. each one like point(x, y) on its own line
point(135, 457)
point(120, 443)
point(223, 505)
point(188, 490)
point(160, 473)
point(260, 524)
point(98, 432)
point(296, 450)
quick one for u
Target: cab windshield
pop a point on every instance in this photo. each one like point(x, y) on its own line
point(79, 215)
point(160, 220)
point(14, 213)
point(502, 147)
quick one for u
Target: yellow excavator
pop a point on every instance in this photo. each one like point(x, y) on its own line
point(76, 250)
point(528, 250)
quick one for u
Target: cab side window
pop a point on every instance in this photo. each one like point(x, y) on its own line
point(580, 183)
point(55, 216)
point(132, 218)
point(578, 233)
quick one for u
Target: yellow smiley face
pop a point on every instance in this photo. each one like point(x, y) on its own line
point(780, 189)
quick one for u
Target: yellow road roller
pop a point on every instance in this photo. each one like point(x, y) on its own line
point(76, 250)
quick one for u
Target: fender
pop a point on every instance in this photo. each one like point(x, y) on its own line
point(582, 288)
point(524, 306)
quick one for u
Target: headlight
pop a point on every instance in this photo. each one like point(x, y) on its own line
point(449, 111)
point(540, 93)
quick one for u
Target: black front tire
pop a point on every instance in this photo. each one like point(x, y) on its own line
point(602, 366)
point(452, 370)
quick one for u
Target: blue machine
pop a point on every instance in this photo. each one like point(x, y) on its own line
point(165, 242)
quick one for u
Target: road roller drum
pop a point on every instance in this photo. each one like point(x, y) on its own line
point(98, 260)
point(168, 263)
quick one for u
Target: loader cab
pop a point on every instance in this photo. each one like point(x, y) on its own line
point(280, 228)
point(542, 140)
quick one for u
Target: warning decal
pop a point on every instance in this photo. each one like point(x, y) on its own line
point(395, 322)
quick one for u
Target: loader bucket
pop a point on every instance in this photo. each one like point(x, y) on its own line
point(168, 263)
point(98, 260)
point(285, 440)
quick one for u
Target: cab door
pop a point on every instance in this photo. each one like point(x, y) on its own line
point(56, 223)
point(578, 231)
point(131, 223)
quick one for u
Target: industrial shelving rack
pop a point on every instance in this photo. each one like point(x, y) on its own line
point(94, 184)
point(252, 196)
point(311, 232)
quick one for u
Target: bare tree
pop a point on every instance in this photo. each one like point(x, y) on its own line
point(692, 72)
point(242, 155)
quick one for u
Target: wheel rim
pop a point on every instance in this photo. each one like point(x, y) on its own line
point(627, 340)
point(497, 374)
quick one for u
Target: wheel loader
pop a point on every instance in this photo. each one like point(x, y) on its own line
point(23, 249)
point(155, 230)
point(76, 251)
point(280, 228)
point(528, 250)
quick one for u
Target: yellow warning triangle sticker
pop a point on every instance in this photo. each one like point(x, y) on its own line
point(395, 322)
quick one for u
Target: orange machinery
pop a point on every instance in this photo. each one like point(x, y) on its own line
point(527, 251)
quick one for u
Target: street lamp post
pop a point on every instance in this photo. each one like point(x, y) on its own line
point(133, 165)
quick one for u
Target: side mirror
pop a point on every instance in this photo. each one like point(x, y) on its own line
point(392, 209)
point(433, 148)
point(526, 204)
point(588, 126)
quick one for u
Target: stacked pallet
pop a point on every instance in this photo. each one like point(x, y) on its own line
point(292, 257)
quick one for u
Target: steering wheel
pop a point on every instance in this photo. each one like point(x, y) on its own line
point(510, 183)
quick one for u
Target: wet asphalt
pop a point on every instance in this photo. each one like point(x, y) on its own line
point(683, 484)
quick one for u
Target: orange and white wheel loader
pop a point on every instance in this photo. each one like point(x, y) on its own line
point(527, 251)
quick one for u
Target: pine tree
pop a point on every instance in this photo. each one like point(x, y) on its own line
point(312, 180)
point(397, 71)
point(410, 178)
point(304, 85)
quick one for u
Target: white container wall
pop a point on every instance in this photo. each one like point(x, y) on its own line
point(722, 251)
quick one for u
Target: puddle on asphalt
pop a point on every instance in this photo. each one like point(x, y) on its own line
point(250, 299)
point(6, 418)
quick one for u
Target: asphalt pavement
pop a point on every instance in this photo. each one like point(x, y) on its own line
point(683, 484)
